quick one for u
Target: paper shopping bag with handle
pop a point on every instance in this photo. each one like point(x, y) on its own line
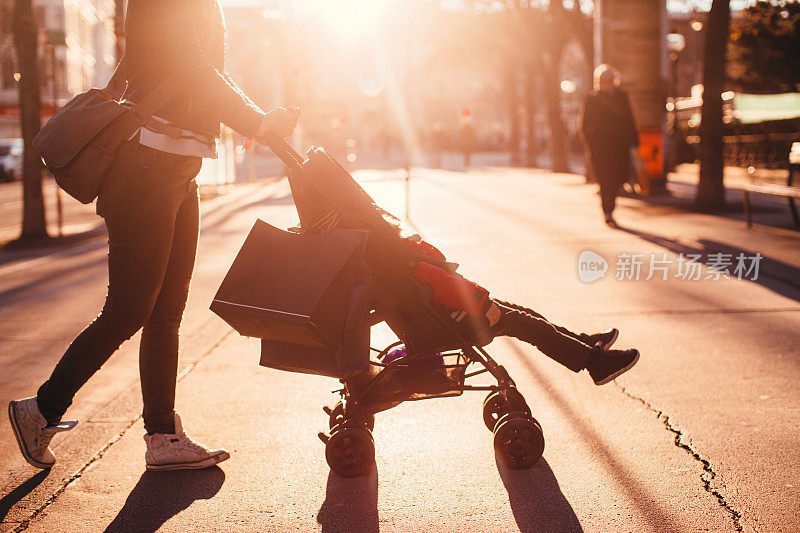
point(303, 294)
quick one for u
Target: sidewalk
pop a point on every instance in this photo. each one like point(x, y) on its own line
point(612, 461)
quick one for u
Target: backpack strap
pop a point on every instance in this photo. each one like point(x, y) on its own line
point(151, 103)
point(119, 80)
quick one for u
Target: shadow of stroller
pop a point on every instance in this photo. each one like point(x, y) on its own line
point(16, 495)
point(351, 504)
point(537, 501)
point(158, 496)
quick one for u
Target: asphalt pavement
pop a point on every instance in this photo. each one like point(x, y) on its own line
point(700, 436)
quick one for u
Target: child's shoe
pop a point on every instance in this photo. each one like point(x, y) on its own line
point(606, 339)
point(611, 364)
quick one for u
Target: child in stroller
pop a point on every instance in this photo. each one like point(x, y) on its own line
point(471, 306)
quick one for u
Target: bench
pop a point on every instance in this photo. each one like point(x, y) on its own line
point(788, 191)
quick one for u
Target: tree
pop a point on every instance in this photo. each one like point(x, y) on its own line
point(765, 39)
point(557, 41)
point(538, 32)
point(711, 189)
point(34, 225)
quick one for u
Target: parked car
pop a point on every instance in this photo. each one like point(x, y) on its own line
point(10, 159)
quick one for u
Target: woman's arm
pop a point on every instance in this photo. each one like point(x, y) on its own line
point(174, 33)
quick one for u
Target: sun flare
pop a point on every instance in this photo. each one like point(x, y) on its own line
point(349, 18)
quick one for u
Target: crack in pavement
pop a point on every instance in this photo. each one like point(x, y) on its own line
point(708, 474)
point(66, 482)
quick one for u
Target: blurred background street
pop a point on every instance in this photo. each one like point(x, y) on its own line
point(700, 435)
point(465, 118)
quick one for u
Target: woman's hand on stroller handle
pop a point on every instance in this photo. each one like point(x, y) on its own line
point(278, 121)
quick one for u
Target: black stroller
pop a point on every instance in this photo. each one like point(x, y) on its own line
point(434, 354)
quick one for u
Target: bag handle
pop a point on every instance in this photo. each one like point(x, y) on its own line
point(118, 83)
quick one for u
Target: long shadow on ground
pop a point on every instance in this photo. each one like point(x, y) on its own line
point(537, 501)
point(16, 495)
point(351, 504)
point(773, 274)
point(158, 496)
point(658, 516)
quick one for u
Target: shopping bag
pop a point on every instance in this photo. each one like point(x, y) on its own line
point(305, 295)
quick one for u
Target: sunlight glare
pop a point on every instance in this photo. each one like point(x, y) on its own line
point(349, 18)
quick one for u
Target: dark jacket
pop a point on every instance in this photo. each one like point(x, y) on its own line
point(610, 132)
point(186, 38)
point(608, 120)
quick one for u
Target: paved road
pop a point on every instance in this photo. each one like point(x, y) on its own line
point(701, 435)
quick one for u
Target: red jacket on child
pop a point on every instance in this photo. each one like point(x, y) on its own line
point(449, 289)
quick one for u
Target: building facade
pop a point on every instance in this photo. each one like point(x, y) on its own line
point(76, 52)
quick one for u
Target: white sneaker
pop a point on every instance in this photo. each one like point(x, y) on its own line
point(177, 451)
point(32, 432)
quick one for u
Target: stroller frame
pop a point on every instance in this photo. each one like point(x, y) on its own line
point(349, 447)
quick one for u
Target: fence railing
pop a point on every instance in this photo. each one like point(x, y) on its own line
point(753, 150)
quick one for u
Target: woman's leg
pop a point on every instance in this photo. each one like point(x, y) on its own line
point(158, 352)
point(140, 223)
point(135, 271)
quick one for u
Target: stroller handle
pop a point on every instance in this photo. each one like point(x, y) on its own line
point(291, 157)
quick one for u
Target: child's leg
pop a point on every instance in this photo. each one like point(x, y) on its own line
point(559, 344)
point(508, 306)
point(606, 338)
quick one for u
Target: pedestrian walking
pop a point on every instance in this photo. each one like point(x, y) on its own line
point(438, 143)
point(610, 132)
point(150, 205)
point(467, 138)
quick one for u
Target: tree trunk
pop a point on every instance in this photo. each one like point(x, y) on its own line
point(710, 189)
point(532, 152)
point(552, 82)
point(558, 148)
point(34, 226)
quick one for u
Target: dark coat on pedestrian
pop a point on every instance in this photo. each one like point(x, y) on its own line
point(610, 132)
point(187, 38)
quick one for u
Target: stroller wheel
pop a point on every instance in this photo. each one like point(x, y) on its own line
point(493, 408)
point(519, 441)
point(496, 405)
point(336, 416)
point(350, 452)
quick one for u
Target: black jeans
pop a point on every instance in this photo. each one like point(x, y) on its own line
point(556, 342)
point(150, 205)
